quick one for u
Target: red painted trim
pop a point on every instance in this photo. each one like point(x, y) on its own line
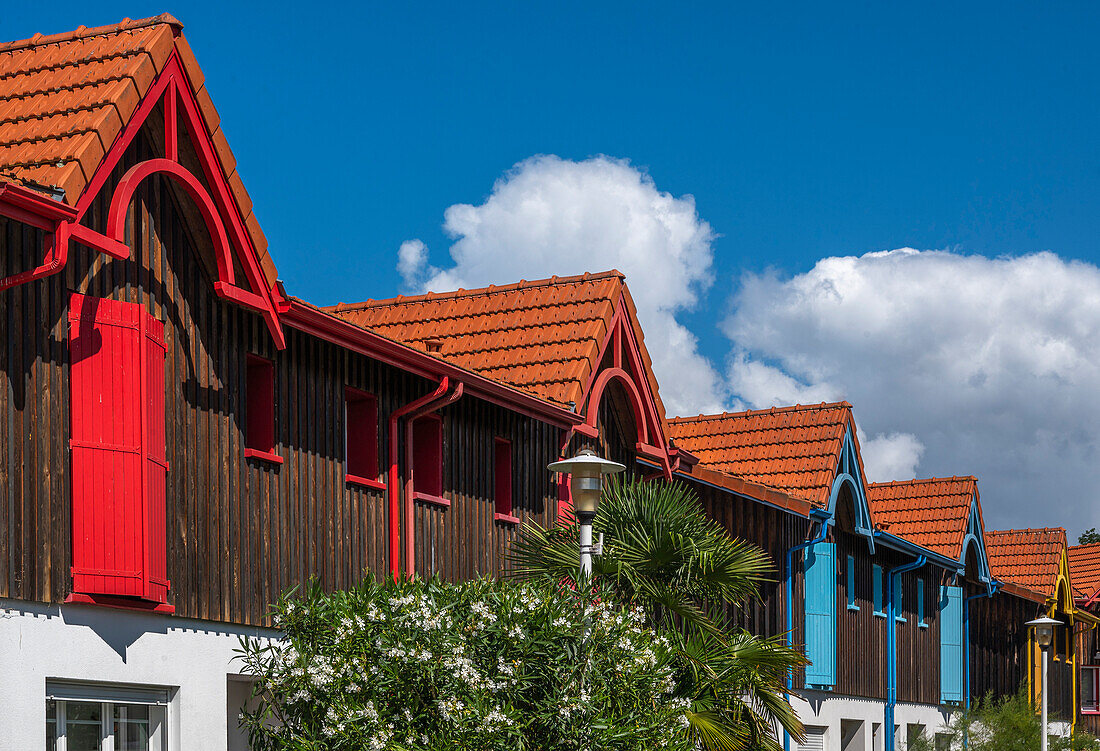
point(354, 338)
point(35, 209)
point(267, 456)
point(506, 518)
point(410, 492)
point(120, 603)
point(171, 123)
point(588, 431)
point(98, 241)
point(365, 482)
point(434, 500)
point(394, 509)
point(596, 394)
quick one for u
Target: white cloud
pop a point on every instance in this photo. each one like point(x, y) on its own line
point(550, 216)
point(991, 365)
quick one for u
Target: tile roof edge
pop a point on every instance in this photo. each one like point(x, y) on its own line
point(432, 356)
point(922, 480)
point(756, 491)
point(1084, 546)
point(1029, 530)
point(770, 410)
point(84, 32)
point(588, 276)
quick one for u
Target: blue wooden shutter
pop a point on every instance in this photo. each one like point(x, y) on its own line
point(876, 589)
point(951, 645)
point(820, 581)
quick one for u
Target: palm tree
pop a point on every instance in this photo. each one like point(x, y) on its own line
point(661, 552)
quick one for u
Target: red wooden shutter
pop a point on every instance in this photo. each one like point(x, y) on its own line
point(428, 456)
point(361, 436)
point(118, 461)
point(502, 471)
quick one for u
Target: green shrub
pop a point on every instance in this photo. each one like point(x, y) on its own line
point(480, 665)
point(1009, 724)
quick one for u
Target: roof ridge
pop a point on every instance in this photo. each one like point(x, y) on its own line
point(916, 480)
point(1028, 529)
point(770, 410)
point(83, 32)
point(587, 276)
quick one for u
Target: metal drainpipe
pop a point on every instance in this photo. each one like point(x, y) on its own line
point(407, 495)
point(892, 650)
point(966, 639)
point(788, 580)
point(395, 480)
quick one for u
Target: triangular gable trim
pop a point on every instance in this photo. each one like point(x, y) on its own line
point(975, 535)
point(220, 211)
point(621, 342)
point(849, 471)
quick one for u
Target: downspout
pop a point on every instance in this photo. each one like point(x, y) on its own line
point(992, 590)
point(407, 500)
point(892, 649)
point(788, 581)
point(394, 508)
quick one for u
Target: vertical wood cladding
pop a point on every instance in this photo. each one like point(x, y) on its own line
point(240, 531)
point(998, 643)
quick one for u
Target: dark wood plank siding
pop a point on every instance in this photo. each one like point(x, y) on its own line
point(240, 531)
point(998, 643)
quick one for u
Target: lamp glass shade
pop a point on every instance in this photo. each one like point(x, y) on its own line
point(1044, 630)
point(587, 471)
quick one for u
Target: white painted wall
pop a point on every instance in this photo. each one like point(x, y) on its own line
point(106, 645)
point(826, 710)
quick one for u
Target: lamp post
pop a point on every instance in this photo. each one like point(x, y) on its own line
point(587, 471)
point(1044, 634)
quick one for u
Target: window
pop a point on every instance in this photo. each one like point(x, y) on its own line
point(502, 481)
point(259, 431)
point(920, 604)
point(852, 583)
point(428, 460)
point(119, 468)
point(915, 734)
point(87, 718)
point(361, 438)
point(899, 589)
point(1090, 689)
point(820, 577)
point(878, 601)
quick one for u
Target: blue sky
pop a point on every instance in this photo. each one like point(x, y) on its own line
point(803, 131)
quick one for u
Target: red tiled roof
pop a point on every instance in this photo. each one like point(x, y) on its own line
point(1084, 569)
point(543, 337)
point(932, 513)
point(1027, 557)
point(793, 449)
point(65, 98)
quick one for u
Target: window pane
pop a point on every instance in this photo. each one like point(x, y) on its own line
point(51, 725)
point(131, 727)
point(1089, 699)
point(83, 726)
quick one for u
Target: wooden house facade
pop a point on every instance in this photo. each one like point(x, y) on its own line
point(181, 441)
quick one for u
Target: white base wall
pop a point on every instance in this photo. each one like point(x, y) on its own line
point(853, 724)
point(193, 659)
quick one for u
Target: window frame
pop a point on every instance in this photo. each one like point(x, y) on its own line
point(503, 478)
point(108, 697)
point(899, 599)
point(878, 598)
point(921, 622)
point(259, 405)
point(419, 448)
point(1095, 670)
point(361, 461)
point(851, 584)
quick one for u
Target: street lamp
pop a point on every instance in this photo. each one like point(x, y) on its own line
point(587, 471)
point(1044, 634)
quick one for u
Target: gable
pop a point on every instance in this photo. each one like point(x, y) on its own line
point(1030, 558)
point(1084, 569)
point(73, 103)
point(795, 449)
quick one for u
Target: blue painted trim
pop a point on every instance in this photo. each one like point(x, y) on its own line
point(877, 592)
point(850, 583)
point(893, 542)
point(824, 518)
point(920, 604)
point(848, 473)
point(974, 536)
point(892, 650)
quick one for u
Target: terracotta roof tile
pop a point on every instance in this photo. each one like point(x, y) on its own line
point(543, 337)
point(932, 513)
point(1084, 569)
point(1027, 557)
point(793, 449)
point(64, 98)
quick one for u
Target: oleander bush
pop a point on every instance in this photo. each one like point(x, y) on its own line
point(480, 665)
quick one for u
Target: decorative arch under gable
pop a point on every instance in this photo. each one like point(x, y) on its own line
point(215, 203)
point(849, 474)
point(974, 539)
point(622, 363)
